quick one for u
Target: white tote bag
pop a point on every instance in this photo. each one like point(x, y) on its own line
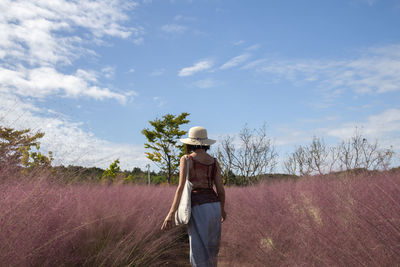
point(182, 215)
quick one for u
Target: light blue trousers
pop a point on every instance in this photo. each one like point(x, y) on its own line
point(205, 234)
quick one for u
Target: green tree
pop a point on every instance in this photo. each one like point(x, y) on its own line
point(16, 145)
point(111, 172)
point(162, 140)
point(136, 170)
point(34, 159)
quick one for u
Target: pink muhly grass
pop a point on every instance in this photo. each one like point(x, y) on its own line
point(351, 220)
point(48, 224)
point(317, 221)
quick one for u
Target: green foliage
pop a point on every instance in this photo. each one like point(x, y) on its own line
point(111, 172)
point(35, 159)
point(136, 170)
point(78, 173)
point(16, 145)
point(157, 179)
point(162, 141)
point(229, 178)
point(129, 179)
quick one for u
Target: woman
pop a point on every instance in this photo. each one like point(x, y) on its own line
point(208, 211)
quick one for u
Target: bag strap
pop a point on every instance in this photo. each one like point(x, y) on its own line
point(187, 168)
point(211, 175)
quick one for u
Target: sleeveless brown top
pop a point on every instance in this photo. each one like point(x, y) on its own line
point(202, 177)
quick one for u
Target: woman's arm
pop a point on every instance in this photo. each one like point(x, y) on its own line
point(169, 220)
point(220, 191)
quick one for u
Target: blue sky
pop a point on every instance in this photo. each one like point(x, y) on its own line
point(91, 74)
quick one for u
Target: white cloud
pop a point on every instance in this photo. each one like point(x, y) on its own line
point(290, 136)
point(157, 72)
point(253, 47)
point(108, 72)
point(383, 127)
point(159, 101)
point(233, 62)
point(131, 70)
point(376, 70)
point(37, 37)
point(70, 143)
point(173, 28)
point(45, 81)
point(38, 40)
point(240, 42)
point(199, 66)
point(181, 17)
point(32, 28)
point(138, 40)
point(205, 83)
point(255, 63)
point(318, 120)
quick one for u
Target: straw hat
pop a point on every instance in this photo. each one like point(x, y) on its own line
point(198, 136)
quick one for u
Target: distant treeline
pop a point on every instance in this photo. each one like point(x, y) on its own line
point(249, 161)
point(95, 175)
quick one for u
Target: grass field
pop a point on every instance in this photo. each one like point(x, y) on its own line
point(351, 220)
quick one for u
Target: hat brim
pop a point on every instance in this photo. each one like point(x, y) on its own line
point(196, 142)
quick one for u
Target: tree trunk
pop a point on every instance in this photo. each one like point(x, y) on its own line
point(169, 171)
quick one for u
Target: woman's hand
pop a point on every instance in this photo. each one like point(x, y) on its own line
point(223, 215)
point(168, 222)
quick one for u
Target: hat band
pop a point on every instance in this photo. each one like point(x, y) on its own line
point(198, 138)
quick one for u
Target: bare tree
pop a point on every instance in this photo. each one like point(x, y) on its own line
point(369, 152)
point(384, 159)
point(350, 155)
point(224, 155)
point(346, 156)
point(314, 158)
point(353, 153)
point(290, 164)
point(358, 152)
point(304, 160)
point(332, 159)
point(253, 156)
point(318, 152)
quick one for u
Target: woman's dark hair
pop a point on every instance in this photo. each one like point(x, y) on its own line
point(192, 148)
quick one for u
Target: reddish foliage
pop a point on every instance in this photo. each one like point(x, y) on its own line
point(316, 221)
point(44, 224)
